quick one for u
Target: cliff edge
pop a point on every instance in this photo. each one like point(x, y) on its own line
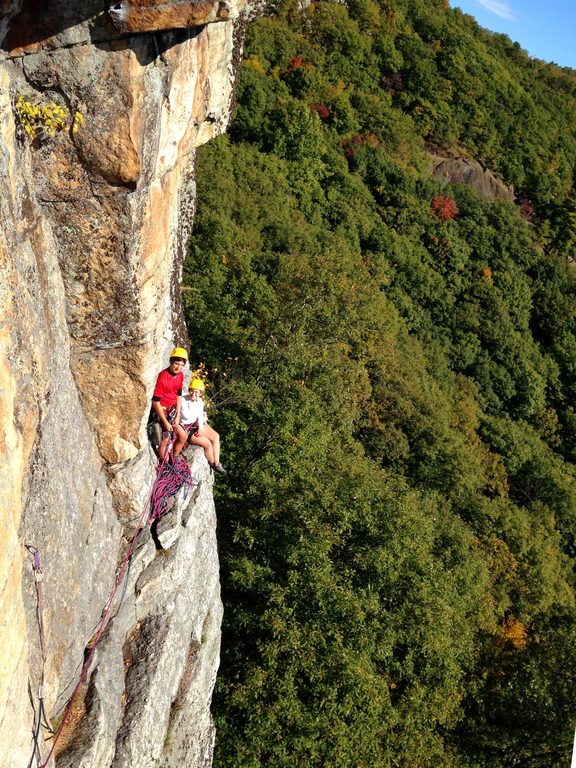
point(101, 111)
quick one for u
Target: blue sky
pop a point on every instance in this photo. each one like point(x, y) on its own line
point(547, 30)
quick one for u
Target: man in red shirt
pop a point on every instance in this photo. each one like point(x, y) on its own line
point(166, 402)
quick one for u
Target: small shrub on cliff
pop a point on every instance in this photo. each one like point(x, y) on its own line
point(46, 119)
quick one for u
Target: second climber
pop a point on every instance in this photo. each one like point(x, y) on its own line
point(193, 419)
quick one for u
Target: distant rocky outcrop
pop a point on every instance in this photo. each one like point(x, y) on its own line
point(95, 215)
point(464, 170)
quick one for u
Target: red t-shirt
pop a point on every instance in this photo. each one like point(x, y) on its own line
point(168, 387)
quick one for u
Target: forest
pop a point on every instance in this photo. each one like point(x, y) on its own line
point(392, 362)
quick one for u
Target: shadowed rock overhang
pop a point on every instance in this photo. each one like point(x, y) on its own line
point(153, 15)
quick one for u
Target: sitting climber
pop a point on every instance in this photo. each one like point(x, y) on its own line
point(166, 403)
point(193, 419)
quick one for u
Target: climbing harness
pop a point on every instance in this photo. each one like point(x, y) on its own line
point(167, 483)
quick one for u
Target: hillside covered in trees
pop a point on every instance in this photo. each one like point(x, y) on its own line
point(394, 368)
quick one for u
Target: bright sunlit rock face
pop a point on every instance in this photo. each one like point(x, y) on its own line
point(94, 221)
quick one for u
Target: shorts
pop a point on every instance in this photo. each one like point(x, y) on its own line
point(192, 430)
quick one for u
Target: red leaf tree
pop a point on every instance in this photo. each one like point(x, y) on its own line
point(444, 207)
point(321, 109)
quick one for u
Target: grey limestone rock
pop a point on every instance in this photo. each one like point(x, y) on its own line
point(467, 171)
point(145, 700)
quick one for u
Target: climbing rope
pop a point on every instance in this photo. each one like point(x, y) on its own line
point(40, 715)
point(94, 628)
point(170, 477)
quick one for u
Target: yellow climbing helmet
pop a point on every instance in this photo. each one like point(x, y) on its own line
point(197, 384)
point(179, 352)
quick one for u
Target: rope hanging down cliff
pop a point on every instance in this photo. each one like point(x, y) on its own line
point(41, 720)
point(171, 475)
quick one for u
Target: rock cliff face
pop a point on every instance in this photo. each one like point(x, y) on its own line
point(464, 170)
point(95, 215)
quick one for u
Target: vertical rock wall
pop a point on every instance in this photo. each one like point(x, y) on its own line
point(94, 223)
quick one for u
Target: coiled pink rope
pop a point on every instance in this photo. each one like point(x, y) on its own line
point(170, 477)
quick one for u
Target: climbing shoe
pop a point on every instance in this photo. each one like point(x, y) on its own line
point(219, 468)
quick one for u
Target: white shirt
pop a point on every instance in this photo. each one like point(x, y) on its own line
point(192, 411)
